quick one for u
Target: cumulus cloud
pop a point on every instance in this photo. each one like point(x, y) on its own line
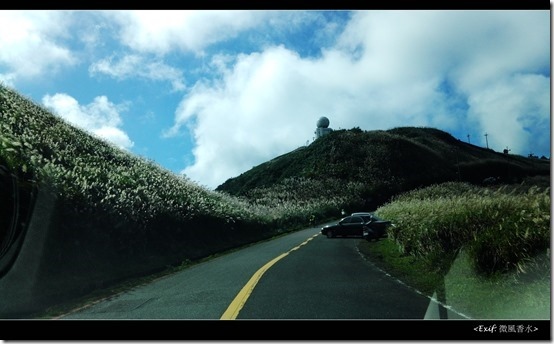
point(250, 115)
point(162, 31)
point(139, 66)
point(100, 118)
point(513, 110)
point(475, 53)
point(31, 43)
point(446, 69)
point(8, 79)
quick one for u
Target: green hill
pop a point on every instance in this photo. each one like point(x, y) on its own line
point(384, 163)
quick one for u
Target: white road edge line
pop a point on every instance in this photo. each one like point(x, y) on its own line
point(450, 308)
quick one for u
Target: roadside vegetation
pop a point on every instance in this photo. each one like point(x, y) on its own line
point(498, 228)
point(424, 180)
point(486, 248)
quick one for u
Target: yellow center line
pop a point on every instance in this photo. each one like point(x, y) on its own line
point(234, 308)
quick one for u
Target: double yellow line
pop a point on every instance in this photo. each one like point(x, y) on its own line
point(240, 300)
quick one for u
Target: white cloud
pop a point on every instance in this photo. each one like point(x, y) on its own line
point(162, 31)
point(8, 79)
point(115, 136)
point(138, 66)
point(388, 69)
point(100, 118)
point(512, 109)
point(30, 42)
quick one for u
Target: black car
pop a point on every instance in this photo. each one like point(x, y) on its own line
point(369, 227)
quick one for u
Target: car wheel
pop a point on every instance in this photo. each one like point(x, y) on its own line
point(330, 234)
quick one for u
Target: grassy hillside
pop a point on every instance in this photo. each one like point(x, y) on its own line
point(384, 163)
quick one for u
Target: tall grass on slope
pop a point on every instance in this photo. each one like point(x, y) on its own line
point(93, 174)
point(316, 199)
point(501, 230)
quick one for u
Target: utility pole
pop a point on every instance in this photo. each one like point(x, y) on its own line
point(487, 140)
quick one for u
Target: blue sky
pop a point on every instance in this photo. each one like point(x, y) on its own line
point(212, 94)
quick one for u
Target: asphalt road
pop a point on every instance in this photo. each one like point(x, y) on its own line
point(329, 279)
point(302, 275)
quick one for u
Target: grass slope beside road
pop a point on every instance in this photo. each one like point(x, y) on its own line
point(507, 296)
point(487, 249)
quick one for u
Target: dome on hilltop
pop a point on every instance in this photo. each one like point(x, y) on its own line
point(323, 122)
